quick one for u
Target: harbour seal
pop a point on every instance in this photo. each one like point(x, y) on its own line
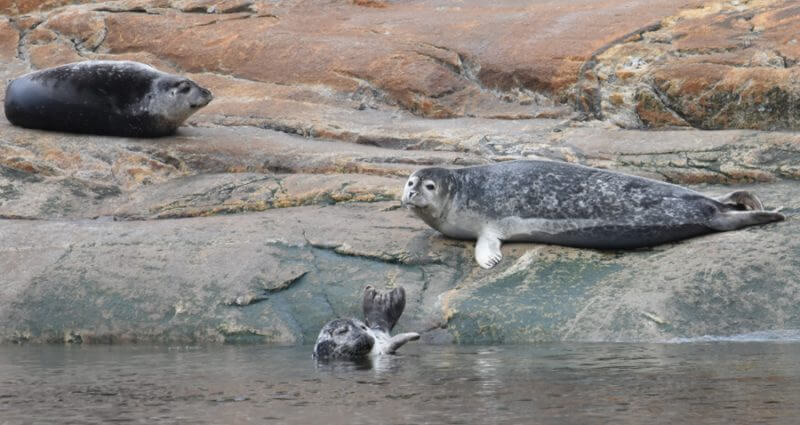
point(567, 204)
point(352, 339)
point(116, 98)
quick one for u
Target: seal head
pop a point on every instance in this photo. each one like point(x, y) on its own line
point(428, 193)
point(344, 338)
point(175, 98)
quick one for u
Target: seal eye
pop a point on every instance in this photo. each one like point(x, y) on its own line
point(410, 184)
point(184, 87)
point(341, 331)
point(430, 186)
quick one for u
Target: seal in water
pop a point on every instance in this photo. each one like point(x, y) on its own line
point(352, 339)
point(116, 98)
point(567, 204)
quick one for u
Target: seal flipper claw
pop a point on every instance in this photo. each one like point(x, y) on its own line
point(487, 250)
point(742, 198)
point(398, 341)
point(383, 310)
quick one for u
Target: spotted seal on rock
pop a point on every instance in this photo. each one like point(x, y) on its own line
point(567, 204)
point(116, 98)
point(352, 339)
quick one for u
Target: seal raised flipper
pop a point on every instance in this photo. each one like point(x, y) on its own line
point(732, 220)
point(742, 198)
point(383, 310)
point(487, 250)
point(398, 341)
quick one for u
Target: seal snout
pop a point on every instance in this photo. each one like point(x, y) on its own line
point(408, 197)
point(204, 98)
point(410, 191)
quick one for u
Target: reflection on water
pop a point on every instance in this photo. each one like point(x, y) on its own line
point(697, 383)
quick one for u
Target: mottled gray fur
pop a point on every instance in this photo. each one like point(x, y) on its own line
point(352, 339)
point(567, 204)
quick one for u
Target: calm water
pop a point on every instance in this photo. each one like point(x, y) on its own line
point(699, 382)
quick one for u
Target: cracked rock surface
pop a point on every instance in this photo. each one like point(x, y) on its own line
point(274, 206)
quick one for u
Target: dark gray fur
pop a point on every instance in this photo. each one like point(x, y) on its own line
point(344, 339)
point(117, 98)
point(382, 311)
point(573, 205)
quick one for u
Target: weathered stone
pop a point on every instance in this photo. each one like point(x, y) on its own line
point(653, 113)
point(245, 192)
point(85, 30)
point(270, 211)
point(762, 97)
point(272, 278)
point(18, 7)
point(9, 40)
point(278, 276)
point(725, 65)
point(72, 176)
point(462, 66)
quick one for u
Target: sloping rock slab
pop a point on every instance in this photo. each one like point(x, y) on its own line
point(278, 276)
point(259, 277)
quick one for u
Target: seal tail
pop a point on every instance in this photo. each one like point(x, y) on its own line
point(382, 310)
point(732, 220)
point(742, 200)
point(400, 340)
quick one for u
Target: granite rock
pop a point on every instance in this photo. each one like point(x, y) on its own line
point(270, 211)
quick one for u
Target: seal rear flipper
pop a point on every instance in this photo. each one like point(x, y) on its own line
point(383, 310)
point(487, 250)
point(742, 199)
point(732, 220)
point(400, 340)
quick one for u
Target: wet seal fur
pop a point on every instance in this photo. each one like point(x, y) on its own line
point(352, 339)
point(567, 204)
point(115, 98)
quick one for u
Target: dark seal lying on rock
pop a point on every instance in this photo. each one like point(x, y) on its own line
point(116, 98)
point(567, 204)
point(352, 339)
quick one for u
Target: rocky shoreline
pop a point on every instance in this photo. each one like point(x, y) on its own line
point(270, 211)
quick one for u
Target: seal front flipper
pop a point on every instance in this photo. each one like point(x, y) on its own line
point(398, 341)
point(742, 198)
point(487, 250)
point(383, 310)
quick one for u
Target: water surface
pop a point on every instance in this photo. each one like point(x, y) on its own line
point(692, 382)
